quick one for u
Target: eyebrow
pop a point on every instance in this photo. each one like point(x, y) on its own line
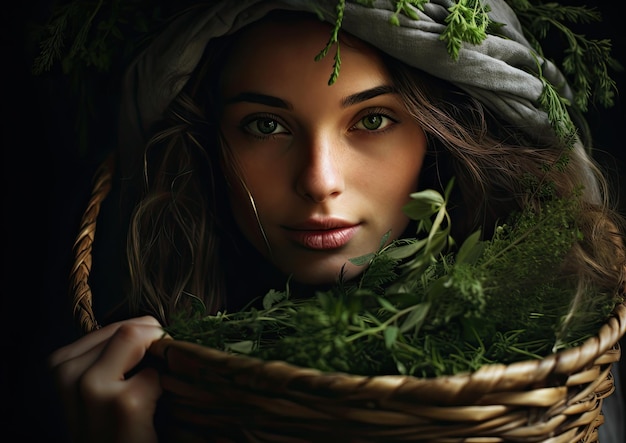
point(263, 99)
point(367, 95)
point(269, 100)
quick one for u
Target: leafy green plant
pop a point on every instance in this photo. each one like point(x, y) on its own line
point(422, 308)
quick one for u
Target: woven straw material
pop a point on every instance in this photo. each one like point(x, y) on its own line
point(556, 399)
point(210, 395)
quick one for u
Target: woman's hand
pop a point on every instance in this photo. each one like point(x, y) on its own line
point(102, 402)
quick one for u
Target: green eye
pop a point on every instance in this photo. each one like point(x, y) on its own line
point(375, 122)
point(266, 126)
point(372, 122)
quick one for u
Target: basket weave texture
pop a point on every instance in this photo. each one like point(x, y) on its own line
point(210, 395)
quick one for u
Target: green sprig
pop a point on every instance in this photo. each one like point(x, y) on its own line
point(585, 61)
point(406, 7)
point(556, 107)
point(334, 41)
point(467, 22)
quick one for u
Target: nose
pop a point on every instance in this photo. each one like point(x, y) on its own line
point(320, 176)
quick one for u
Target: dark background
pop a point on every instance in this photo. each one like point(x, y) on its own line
point(46, 179)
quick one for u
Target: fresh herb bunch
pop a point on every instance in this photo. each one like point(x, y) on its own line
point(422, 307)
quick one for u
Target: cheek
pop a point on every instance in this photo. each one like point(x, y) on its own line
point(395, 181)
point(393, 195)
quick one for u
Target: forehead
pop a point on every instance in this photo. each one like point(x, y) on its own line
point(280, 50)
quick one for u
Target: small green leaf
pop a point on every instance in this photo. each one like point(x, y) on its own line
point(273, 297)
point(391, 335)
point(416, 318)
point(241, 347)
point(407, 250)
point(401, 367)
point(470, 250)
point(385, 304)
point(362, 259)
point(423, 204)
point(384, 239)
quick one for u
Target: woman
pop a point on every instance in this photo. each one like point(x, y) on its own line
point(255, 166)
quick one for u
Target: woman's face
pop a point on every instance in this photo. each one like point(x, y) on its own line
point(328, 168)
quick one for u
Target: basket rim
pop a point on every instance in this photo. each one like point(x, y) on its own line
point(602, 348)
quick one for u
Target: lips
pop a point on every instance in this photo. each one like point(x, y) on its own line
point(322, 234)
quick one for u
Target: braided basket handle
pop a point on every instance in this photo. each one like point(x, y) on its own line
point(80, 291)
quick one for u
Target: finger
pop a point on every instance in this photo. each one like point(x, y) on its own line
point(125, 349)
point(71, 375)
point(67, 372)
point(118, 410)
point(93, 339)
point(141, 390)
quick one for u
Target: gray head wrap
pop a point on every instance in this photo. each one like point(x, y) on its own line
point(502, 72)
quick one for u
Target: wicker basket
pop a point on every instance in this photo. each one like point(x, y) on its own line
point(210, 395)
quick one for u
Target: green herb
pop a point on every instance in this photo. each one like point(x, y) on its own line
point(421, 309)
point(586, 61)
point(467, 22)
